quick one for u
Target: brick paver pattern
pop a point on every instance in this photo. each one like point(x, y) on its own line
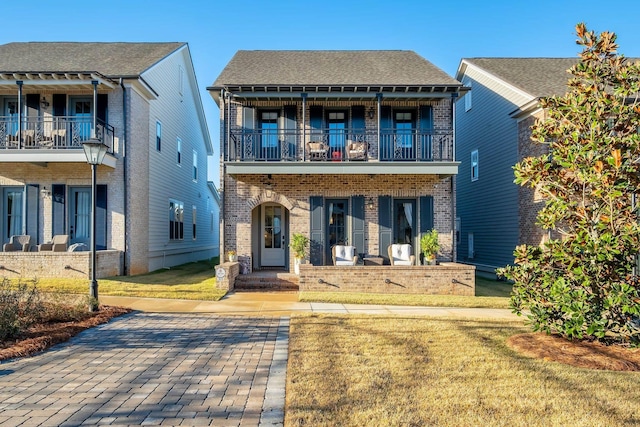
point(154, 369)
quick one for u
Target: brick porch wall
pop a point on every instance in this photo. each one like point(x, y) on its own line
point(31, 265)
point(444, 279)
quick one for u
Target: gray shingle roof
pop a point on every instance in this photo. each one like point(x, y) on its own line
point(331, 67)
point(108, 59)
point(539, 77)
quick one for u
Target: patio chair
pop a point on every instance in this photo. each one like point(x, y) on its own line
point(401, 254)
point(57, 244)
point(18, 243)
point(344, 255)
point(357, 151)
point(318, 150)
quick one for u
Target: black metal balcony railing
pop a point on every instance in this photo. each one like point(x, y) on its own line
point(59, 132)
point(340, 145)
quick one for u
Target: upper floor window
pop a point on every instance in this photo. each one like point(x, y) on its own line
point(158, 136)
point(179, 150)
point(467, 97)
point(180, 80)
point(474, 165)
point(195, 165)
point(337, 121)
point(176, 220)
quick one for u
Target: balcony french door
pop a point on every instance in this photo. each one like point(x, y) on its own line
point(10, 111)
point(82, 119)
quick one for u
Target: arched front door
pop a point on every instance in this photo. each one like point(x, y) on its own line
point(272, 240)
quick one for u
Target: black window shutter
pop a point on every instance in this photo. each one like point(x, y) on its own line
point(426, 127)
point(59, 104)
point(385, 227)
point(101, 111)
point(426, 214)
point(357, 118)
point(357, 224)
point(315, 122)
point(33, 200)
point(386, 122)
point(316, 235)
point(58, 198)
point(101, 217)
point(248, 118)
point(33, 102)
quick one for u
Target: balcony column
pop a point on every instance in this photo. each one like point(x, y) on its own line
point(19, 83)
point(94, 116)
point(304, 126)
point(379, 100)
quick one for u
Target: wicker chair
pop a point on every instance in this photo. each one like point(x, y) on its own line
point(58, 244)
point(18, 243)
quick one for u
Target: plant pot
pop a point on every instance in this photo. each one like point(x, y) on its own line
point(296, 265)
point(232, 258)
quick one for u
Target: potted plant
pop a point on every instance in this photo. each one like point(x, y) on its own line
point(299, 245)
point(232, 255)
point(429, 246)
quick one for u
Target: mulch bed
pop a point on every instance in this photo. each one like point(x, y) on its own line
point(582, 354)
point(42, 336)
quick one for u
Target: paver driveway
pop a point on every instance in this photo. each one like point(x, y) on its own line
point(151, 369)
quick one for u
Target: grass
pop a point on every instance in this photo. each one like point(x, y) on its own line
point(400, 371)
point(193, 281)
point(489, 294)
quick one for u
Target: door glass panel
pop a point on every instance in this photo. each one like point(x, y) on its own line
point(13, 202)
point(273, 227)
point(11, 112)
point(404, 126)
point(81, 215)
point(81, 110)
point(404, 221)
point(337, 227)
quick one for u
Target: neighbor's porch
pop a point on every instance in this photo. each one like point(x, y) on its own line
point(31, 265)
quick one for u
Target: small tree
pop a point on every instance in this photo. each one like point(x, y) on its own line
point(584, 284)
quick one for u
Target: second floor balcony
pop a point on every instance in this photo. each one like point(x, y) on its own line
point(51, 133)
point(345, 145)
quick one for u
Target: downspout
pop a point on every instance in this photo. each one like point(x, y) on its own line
point(19, 83)
point(453, 177)
point(124, 176)
point(379, 99)
point(94, 116)
point(223, 179)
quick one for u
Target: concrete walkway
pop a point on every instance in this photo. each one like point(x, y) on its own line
point(286, 304)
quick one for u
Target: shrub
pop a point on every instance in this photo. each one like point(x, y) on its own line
point(20, 307)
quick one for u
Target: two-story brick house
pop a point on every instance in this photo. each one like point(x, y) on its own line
point(155, 207)
point(352, 147)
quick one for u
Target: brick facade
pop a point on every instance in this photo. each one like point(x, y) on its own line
point(31, 265)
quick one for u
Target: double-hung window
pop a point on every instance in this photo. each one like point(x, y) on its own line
point(158, 136)
point(474, 165)
point(176, 220)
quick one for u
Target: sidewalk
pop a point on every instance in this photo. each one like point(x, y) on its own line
point(286, 304)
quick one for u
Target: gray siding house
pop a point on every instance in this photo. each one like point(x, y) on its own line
point(155, 206)
point(493, 132)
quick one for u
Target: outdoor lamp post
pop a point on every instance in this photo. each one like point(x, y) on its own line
point(95, 151)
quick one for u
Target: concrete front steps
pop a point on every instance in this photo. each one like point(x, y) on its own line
point(267, 281)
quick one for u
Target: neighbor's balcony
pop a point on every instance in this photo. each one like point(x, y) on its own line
point(51, 133)
point(344, 145)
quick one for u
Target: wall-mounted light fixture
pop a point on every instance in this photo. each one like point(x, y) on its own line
point(45, 192)
point(370, 203)
point(371, 112)
point(44, 102)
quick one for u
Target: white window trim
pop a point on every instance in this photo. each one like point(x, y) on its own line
point(179, 151)
point(475, 165)
point(195, 166)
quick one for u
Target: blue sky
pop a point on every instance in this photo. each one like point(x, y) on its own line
point(441, 31)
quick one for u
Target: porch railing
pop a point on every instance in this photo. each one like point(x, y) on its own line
point(340, 145)
point(58, 132)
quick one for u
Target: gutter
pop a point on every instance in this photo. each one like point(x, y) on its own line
point(124, 175)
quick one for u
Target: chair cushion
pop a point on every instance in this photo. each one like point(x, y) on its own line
point(401, 254)
point(344, 254)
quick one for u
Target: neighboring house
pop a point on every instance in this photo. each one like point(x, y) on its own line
point(345, 147)
point(493, 130)
point(155, 207)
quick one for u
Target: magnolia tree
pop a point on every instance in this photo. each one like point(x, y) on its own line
point(584, 284)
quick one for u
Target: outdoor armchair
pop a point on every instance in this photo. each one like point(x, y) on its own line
point(18, 243)
point(58, 244)
point(344, 255)
point(401, 254)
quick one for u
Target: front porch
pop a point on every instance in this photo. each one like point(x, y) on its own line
point(31, 265)
point(447, 278)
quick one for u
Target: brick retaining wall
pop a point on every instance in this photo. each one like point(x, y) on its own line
point(444, 279)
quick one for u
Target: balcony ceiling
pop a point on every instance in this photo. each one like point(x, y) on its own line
point(43, 81)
